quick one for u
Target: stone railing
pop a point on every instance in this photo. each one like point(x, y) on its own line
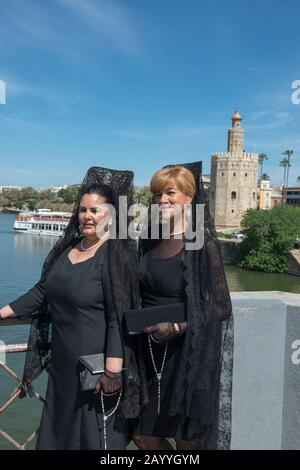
point(266, 371)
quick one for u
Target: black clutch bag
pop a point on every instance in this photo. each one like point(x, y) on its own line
point(138, 319)
point(92, 370)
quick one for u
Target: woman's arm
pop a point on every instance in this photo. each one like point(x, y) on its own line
point(25, 305)
point(111, 380)
point(114, 343)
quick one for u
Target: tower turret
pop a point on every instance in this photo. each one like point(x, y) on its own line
point(236, 135)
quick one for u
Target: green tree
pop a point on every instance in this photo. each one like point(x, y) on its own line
point(269, 238)
point(45, 195)
point(142, 195)
point(69, 195)
point(285, 164)
point(261, 158)
point(288, 154)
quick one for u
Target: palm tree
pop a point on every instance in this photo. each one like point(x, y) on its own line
point(288, 154)
point(261, 158)
point(285, 163)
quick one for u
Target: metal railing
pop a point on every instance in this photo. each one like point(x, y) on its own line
point(17, 392)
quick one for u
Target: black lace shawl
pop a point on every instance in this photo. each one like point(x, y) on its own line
point(122, 264)
point(201, 396)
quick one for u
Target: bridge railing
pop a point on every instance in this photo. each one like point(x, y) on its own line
point(16, 393)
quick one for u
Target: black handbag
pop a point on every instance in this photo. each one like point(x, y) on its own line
point(93, 368)
point(138, 319)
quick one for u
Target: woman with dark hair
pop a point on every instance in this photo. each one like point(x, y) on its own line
point(78, 294)
point(188, 363)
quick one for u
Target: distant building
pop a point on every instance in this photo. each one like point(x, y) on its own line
point(291, 195)
point(276, 197)
point(54, 189)
point(10, 188)
point(264, 194)
point(233, 187)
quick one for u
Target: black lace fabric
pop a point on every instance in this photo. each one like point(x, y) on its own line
point(122, 263)
point(201, 398)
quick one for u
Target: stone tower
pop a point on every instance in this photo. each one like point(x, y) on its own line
point(233, 180)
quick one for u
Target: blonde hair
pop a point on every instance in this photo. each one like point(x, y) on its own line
point(178, 175)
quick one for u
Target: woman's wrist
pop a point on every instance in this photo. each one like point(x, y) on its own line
point(112, 375)
point(114, 364)
point(6, 312)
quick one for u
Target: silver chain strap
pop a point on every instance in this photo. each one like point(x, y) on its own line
point(105, 417)
point(158, 374)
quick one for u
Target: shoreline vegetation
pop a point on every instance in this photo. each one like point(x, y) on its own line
point(28, 199)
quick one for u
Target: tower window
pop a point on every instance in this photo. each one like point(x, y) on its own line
point(246, 174)
point(222, 173)
point(253, 196)
point(233, 195)
point(234, 174)
point(232, 211)
point(212, 194)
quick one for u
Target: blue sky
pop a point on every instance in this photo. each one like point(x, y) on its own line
point(137, 84)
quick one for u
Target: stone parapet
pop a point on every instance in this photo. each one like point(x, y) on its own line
point(239, 156)
point(266, 373)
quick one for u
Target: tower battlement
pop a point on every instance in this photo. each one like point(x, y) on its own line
point(236, 155)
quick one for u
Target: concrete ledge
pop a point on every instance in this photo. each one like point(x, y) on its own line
point(266, 373)
point(294, 263)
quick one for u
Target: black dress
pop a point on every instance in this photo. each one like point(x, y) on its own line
point(161, 282)
point(83, 322)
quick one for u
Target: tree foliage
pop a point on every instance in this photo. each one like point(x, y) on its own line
point(30, 199)
point(142, 195)
point(270, 235)
point(69, 195)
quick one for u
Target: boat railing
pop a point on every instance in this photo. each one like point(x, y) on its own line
point(16, 392)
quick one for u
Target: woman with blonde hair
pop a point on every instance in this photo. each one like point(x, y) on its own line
point(188, 363)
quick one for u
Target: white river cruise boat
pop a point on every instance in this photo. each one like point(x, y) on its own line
point(42, 222)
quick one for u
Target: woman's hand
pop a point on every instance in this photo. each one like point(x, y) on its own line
point(109, 382)
point(6, 312)
point(166, 332)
